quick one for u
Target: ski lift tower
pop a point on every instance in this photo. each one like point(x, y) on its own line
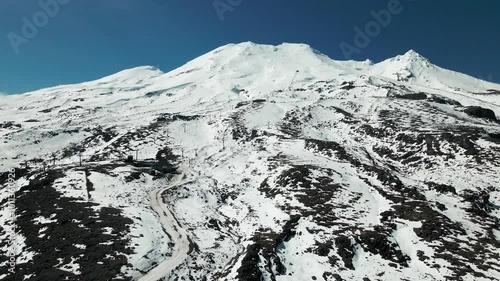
point(293, 80)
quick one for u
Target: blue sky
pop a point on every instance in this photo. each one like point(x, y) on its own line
point(86, 40)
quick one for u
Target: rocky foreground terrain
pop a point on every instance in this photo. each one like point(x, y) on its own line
point(255, 162)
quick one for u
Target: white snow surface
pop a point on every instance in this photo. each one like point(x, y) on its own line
point(286, 95)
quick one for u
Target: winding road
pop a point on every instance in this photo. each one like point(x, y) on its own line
point(179, 236)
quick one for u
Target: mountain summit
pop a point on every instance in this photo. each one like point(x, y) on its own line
point(263, 67)
point(412, 55)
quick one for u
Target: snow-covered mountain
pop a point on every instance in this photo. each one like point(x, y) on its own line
point(291, 166)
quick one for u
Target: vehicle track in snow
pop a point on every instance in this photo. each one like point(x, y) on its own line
point(176, 232)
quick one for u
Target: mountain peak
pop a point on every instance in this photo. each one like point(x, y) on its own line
point(412, 57)
point(255, 47)
point(412, 53)
point(406, 67)
point(136, 73)
point(145, 68)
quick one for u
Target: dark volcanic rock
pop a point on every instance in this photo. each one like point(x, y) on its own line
point(75, 222)
point(481, 112)
point(345, 250)
point(480, 202)
point(443, 100)
point(377, 242)
point(266, 245)
point(442, 188)
point(408, 96)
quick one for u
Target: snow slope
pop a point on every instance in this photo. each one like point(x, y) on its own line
point(298, 167)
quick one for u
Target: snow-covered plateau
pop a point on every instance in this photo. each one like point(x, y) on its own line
point(255, 162)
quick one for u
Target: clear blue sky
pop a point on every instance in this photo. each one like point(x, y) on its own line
point(88, 39)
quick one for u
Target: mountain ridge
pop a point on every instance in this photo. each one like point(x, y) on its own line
point(412, 63)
